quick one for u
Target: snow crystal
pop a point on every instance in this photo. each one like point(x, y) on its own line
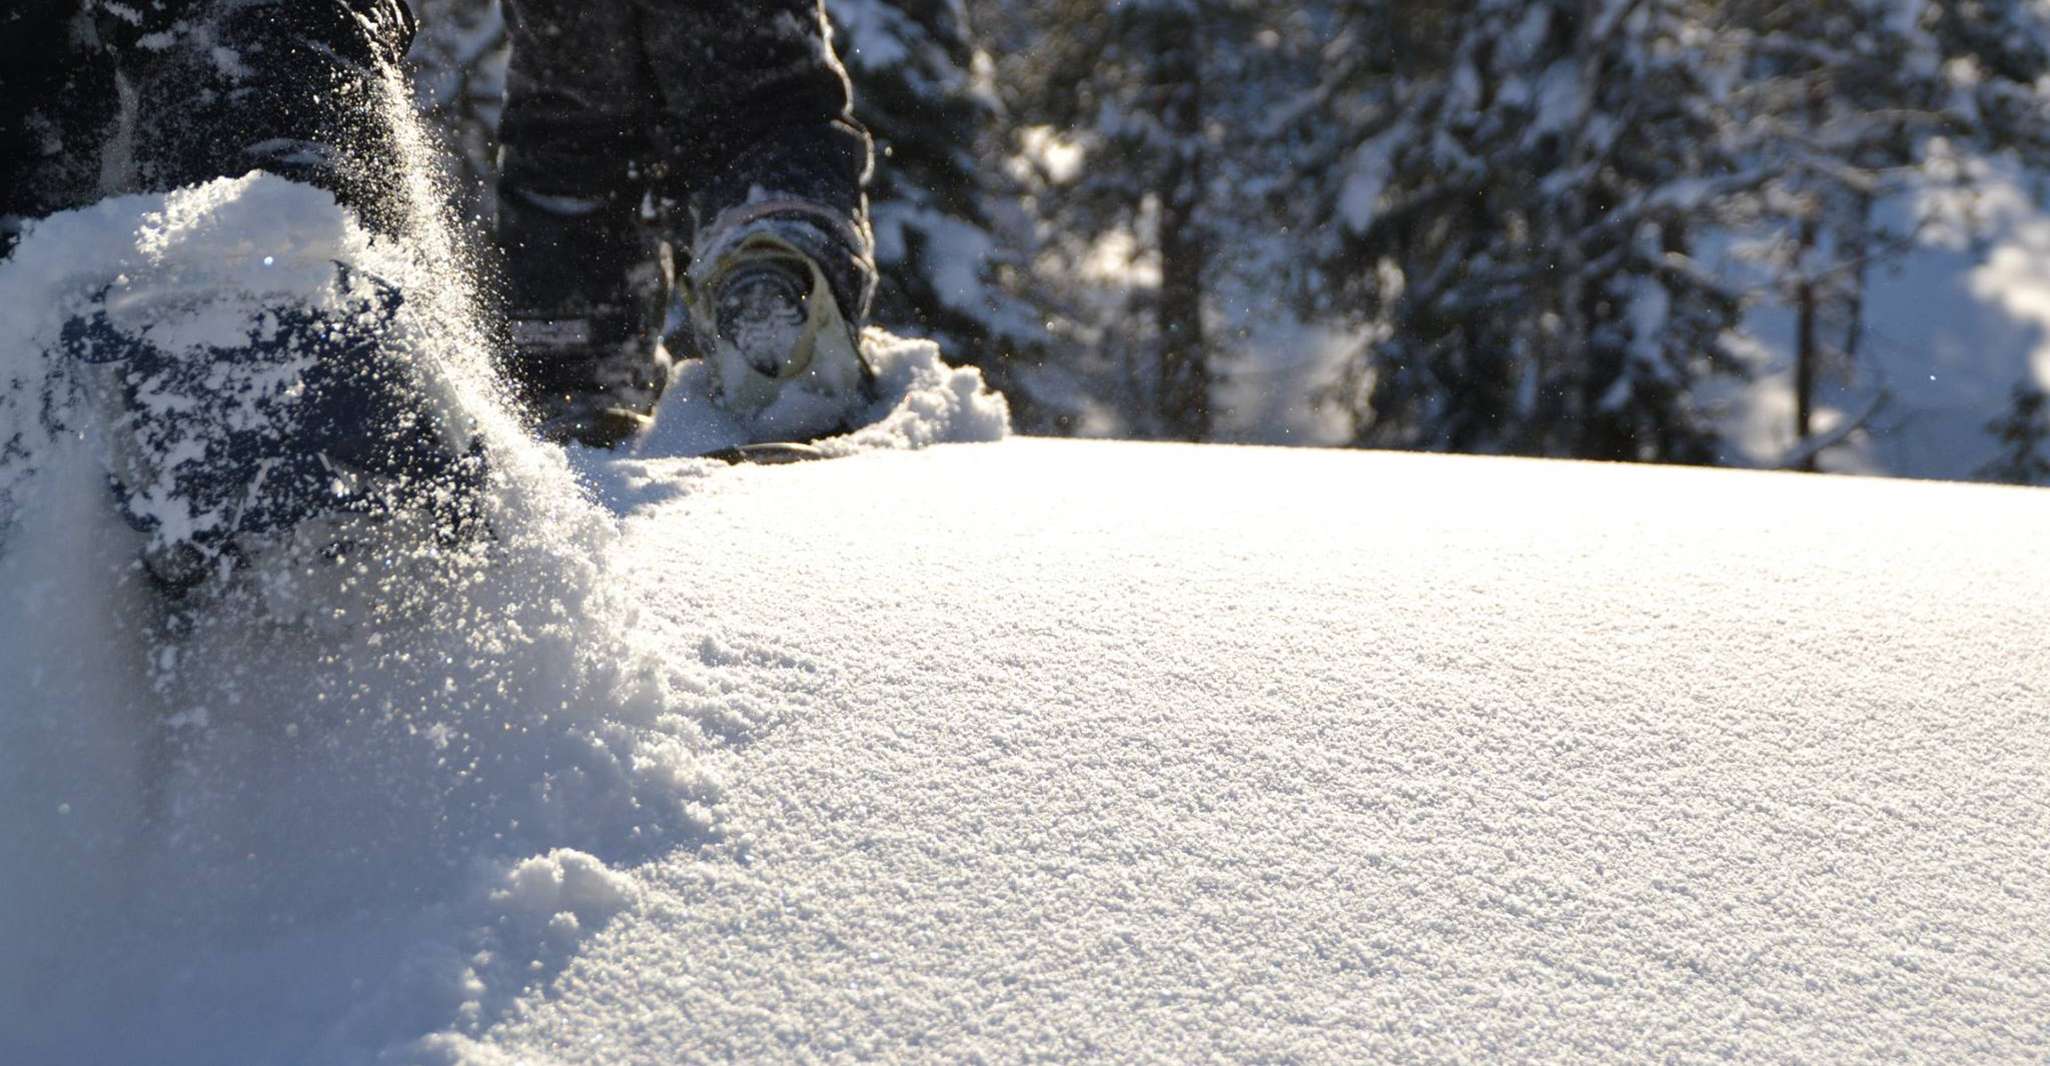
point(564, 883)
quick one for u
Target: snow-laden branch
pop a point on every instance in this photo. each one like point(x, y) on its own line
point(1805, 452)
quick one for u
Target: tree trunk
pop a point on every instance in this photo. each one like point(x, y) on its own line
point(1807, 300)
point(1807, 346)
point(1184, 400)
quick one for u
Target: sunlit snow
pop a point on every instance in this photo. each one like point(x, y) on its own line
point(1123, 750)
point(943, 750)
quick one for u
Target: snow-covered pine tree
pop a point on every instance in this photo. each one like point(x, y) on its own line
point(1996, 54)
point(1158, 102)
point(1842, 101)
point(2024, 436)
point(920, 87)
point(1516, 220)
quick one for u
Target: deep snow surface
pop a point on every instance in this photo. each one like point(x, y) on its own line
point(304, 811)
point(1155, 752)
point(1147, 752)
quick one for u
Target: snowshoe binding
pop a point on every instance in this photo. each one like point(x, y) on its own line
point(774, 454)
point(782, 358)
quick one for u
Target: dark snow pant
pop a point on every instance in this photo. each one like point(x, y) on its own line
point(720, 113)
point(100, 99)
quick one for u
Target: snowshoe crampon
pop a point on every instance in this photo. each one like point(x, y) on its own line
point(232, 419)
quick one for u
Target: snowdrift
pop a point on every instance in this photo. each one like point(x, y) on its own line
point(1128, 752)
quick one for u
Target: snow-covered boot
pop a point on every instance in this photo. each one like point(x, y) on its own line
point(244, 381)
point(783, 358)
point(234, 424)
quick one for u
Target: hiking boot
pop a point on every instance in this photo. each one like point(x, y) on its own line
point(783, 359)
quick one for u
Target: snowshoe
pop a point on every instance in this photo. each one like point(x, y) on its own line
point(783, 360)
point(231, 421)
point(777, 454)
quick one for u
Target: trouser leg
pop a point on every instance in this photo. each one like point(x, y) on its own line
point(586, 280)
point(729, 120)
point(57, 97)
point(304, 89)
point(105, 99)
point(730, 111)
